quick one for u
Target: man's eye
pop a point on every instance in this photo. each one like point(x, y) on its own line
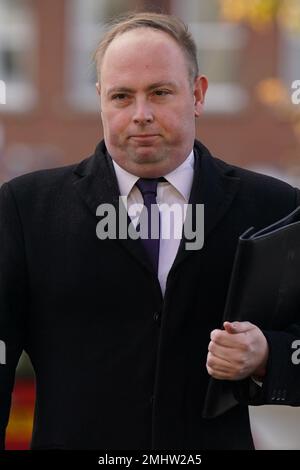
point(162, 92)
point(119, 96)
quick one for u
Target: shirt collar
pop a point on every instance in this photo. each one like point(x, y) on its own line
point(125, 179)
point(181, 178)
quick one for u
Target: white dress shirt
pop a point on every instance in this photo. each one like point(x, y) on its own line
point(176, 190)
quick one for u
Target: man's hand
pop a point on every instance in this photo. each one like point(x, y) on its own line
point(239, 351)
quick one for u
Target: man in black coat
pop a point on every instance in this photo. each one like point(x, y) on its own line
point(119, 345)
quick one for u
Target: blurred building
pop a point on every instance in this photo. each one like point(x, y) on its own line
point(52, 112)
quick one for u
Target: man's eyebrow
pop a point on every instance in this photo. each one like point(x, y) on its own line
point(161, 84)
point(122, 89)
point(119, 89)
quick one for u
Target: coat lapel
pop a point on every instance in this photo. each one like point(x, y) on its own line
point(96, 182)
point(215, 187)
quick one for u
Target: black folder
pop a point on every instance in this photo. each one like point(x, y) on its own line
point(264, 289)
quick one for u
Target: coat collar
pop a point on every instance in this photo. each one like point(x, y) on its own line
point(214, 185)
point(96, 182)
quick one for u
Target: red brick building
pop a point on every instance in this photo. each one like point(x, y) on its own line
point(51, 116)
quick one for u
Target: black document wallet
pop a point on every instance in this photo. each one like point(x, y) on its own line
point(264, 289)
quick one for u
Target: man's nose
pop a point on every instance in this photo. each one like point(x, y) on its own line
point(143, 112)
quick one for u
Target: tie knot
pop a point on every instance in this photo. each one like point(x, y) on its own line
point(149, 185)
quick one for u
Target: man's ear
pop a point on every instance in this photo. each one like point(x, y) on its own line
point(200, 88)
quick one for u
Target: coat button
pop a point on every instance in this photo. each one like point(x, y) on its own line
point(274, 396)
point(156, 316)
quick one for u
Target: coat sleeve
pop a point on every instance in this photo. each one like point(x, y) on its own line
point(281, 384)
point(13, 300)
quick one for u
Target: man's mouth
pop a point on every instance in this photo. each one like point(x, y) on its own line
point(146, 138)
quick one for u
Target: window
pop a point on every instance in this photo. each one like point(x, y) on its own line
point(288, 72)
point(219, 43)
point(289, 63)
point(86, 24)
point(17, 37)
point(219, 48)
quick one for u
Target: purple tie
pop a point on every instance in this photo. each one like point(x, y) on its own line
point(150, 237)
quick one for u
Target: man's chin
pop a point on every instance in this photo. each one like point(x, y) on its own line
point(147, 160)
point(149, 167)
point(147, 157)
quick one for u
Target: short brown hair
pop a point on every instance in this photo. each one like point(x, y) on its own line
point(169, 24)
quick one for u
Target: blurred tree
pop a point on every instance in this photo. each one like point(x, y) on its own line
point(261, 13)
point(272, 92)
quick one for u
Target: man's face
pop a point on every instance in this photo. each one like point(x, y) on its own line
point(148, 104)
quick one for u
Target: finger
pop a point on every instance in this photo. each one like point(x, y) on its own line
point(214, 333)
point(237, 326)
point(217, 363)
point(229, 327)
point(225, 339)
point(218, 374)
point(220, 351)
